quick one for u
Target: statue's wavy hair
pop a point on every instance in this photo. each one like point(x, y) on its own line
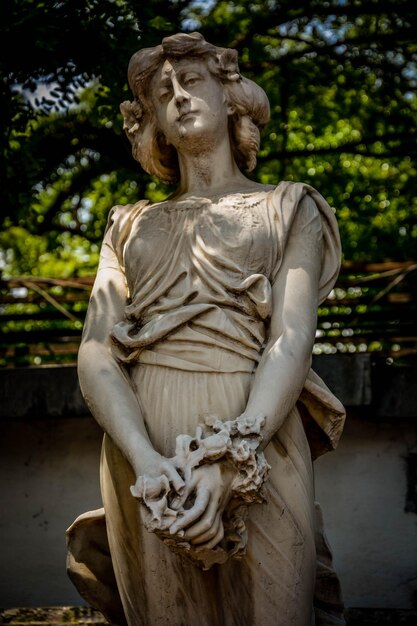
point(246, 99)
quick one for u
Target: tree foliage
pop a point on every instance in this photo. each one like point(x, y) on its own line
point(341, 77)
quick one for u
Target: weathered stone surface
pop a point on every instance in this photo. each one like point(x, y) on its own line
point(348, 376)
point(381, 617)
point(39, 392)
point(60, 616)
point(52, 616)
point(358, 380)
point(394, 388)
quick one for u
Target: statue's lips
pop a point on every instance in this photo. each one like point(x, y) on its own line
point(186, 116)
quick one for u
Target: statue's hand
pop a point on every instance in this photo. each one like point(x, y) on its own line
point(160, 472)
point(210, 486)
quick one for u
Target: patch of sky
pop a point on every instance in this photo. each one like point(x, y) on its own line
point(202, 7)
point(47, 93)
point(84, 214)
point(409, 71)
point(330, 31)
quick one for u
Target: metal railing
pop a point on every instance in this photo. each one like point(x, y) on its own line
point(373, 308)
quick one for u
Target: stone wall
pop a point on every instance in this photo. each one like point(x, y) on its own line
point(49, 462)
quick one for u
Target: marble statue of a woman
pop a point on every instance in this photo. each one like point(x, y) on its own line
point(195, 360)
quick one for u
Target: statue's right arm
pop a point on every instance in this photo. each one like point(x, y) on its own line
point(104, 381)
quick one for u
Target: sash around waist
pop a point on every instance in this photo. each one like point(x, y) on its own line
point(200, 338)
point(195, 358)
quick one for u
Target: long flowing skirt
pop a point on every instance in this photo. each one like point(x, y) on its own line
point(273, 584)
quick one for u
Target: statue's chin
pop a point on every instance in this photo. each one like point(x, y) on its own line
point(194, 133)
point(191, 130)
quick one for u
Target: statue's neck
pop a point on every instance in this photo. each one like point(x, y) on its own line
point(208, 170)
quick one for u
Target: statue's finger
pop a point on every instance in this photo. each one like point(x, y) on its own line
point(205, 523)
point(216, 539)
point(175, 479)
point(193, 514)
point(208, 535)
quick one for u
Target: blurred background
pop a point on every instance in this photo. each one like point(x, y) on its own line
point(341, 78)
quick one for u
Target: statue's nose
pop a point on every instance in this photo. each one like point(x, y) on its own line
point(180, 99)
point(181, 95)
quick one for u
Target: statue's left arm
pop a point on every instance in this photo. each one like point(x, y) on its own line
point(286, 359)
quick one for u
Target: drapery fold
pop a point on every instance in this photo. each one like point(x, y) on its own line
point(201, 293)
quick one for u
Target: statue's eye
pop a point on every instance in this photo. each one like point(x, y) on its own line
point(191, 79)
point(164, 94)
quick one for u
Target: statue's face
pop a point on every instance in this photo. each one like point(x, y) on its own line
point(189, 102)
